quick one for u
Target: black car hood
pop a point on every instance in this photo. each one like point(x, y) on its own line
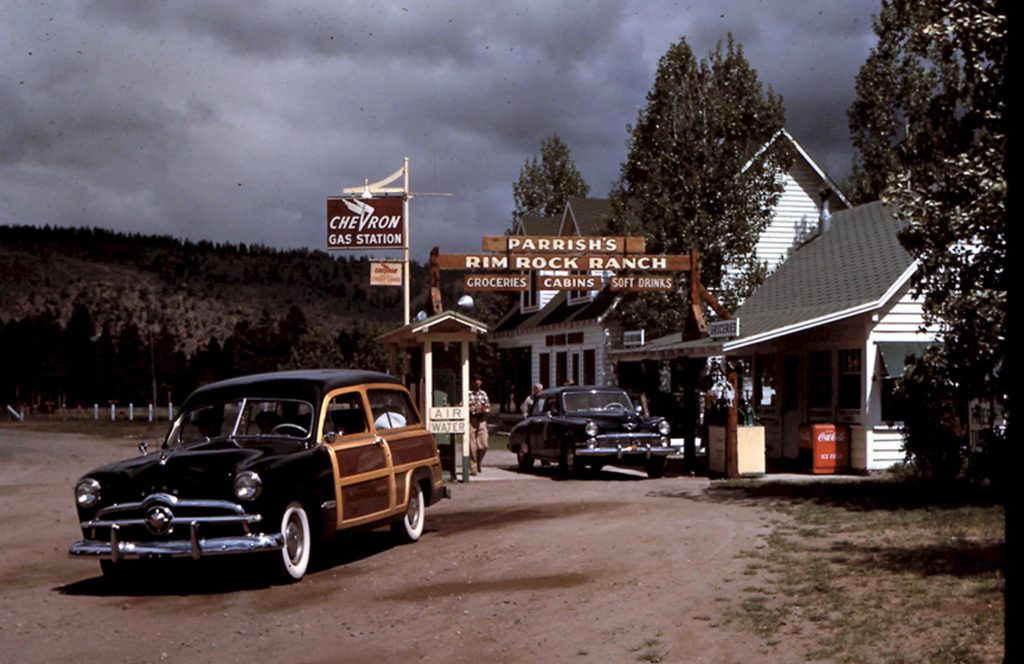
point(612, 419)
point(203, 470)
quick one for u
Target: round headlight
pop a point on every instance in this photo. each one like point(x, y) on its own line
point(247, 485)
point(664, 427)
point(87, 492)
point(591, 429)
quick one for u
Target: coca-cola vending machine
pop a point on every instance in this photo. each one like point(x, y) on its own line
point(825, 448)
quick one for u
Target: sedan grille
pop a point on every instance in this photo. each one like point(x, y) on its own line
point(161, 516)
point(627, 439)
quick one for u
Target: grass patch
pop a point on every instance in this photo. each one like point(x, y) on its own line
point(877, 571)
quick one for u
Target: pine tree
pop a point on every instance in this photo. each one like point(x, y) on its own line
point(544, 186)
point(699, 175)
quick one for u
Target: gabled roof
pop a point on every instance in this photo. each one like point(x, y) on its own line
point(783, 134)
point(532, 225)
point(446, 322)
point(556, 312)
point(585, 216)
point(855, 267)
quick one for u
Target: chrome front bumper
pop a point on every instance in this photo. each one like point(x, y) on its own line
point(192, 548)
point(165, 515)
point(625, 446)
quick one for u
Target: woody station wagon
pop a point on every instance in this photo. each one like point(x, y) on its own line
point(267, 464)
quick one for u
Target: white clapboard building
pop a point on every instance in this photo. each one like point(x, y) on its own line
point(558, 337)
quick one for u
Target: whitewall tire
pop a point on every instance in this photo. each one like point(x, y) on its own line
point(409, 528)
point(293, 558)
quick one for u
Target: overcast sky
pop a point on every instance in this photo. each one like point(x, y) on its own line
point(233, 121)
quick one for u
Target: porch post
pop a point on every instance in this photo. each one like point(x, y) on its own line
point(732, 422)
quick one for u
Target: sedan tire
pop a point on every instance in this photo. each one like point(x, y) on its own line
point(524, 460)
point(567, 461)
point(409, 528)
point(292, 561)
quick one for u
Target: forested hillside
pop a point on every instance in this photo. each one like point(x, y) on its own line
point(89, 315)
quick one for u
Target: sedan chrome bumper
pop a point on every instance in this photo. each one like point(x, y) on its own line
point(194, 547)
point(628, 446)
point(173, 527)
point(625, 452)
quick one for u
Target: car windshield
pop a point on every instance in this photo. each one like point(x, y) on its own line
point(596, 400)
point(243, 419)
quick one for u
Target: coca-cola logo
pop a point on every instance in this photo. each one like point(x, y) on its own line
point(831, 436)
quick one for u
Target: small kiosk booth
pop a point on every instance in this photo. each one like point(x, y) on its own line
point(441, 384)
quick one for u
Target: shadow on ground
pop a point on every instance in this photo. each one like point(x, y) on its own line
point(853, 494)
point(230, 574)
point(959, 558)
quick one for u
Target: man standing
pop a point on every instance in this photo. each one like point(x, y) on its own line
point(479, 406)
point(528, 401)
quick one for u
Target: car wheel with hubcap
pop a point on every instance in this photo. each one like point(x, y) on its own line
point(567, 461)
point(409, 528)
point(293, 558)
point(524, 460)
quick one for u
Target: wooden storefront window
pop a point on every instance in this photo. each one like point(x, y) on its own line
point(820, 387)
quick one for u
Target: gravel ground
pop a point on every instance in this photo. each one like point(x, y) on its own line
point(514, 568)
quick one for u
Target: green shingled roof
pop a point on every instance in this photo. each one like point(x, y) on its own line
point(531, 225)
point(854, 267)
point(591, 215)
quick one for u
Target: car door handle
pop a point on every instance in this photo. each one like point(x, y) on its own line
point(379, 440)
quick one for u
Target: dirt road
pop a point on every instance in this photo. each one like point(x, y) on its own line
point(613, 568)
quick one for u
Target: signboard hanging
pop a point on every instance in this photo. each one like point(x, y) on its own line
point(447, 420)
point(365, 223)
point(724, 329)
point(385, 273)
point(496, 282)
point(562, 262)
point(558, 244)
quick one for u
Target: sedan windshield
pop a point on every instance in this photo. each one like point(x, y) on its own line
point(247, 418)
point(596, 400)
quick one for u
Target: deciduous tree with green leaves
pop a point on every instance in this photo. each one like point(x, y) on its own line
point(544, 186)
point(929, 125)
point(701, 174)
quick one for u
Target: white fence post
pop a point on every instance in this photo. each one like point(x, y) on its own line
point(96, 411)
point(113, 413)
point(150, 412)
point(170, 412)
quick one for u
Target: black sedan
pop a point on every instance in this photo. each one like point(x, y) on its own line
point(590, 426)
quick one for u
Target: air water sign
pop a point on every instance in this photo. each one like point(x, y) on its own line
point(448, 420)
point(365, 223)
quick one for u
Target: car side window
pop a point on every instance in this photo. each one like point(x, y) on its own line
point(391, 409)
point(345, 415)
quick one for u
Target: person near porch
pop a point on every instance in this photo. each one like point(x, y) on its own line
point(528, 401)
point(479, 406)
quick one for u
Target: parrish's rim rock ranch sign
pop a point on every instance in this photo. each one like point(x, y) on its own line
point(581, 263)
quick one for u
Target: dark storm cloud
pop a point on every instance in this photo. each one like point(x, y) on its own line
point(233, 122)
